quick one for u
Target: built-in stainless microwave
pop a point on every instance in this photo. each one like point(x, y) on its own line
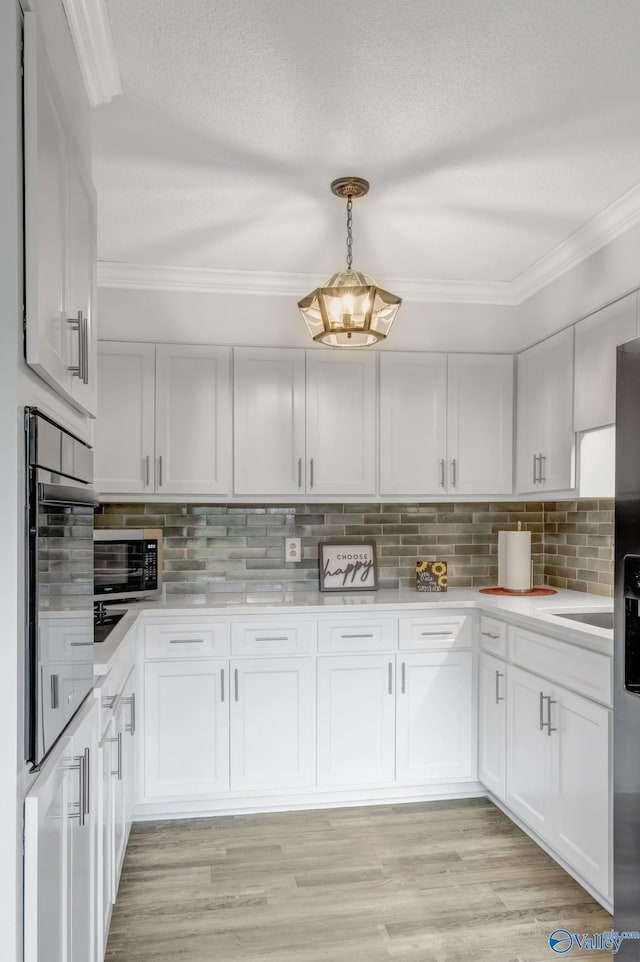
point(127, 563)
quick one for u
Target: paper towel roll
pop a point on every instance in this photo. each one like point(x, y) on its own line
point(514, 560)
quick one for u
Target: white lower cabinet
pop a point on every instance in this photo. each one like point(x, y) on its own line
point(272, 723)
point(434, 717)
point(60, 852)
point(558, 774)
point(356, 720)
point(492, 724)
point(186, 728)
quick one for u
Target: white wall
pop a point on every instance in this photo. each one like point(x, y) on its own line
point(249, 319)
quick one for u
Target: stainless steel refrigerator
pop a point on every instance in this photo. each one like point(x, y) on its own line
point(626, 766)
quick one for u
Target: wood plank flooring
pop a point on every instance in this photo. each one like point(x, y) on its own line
point(434, 882)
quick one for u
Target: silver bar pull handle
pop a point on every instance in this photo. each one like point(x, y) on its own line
point(369, 635)
point(550, 702)
point(542, 723)
point(453, 472)
point(299, 472)
point(160, 471)
point(55, 692)
point(131, 701)
point(118, 771)
point(311, 473)
point(186, 641)
point(487, 634)
point(222, 685)
point(78, 766)
point(84, 345)
point(87, 781)
point(390, 685)
point(499, 697)
point(442, 473)
point(146, 471)
point(542, 478)
point(75, 323)
point(436, 634)
point(235, 683)
point(273, 638)
point(108, 701)
point(404, 678)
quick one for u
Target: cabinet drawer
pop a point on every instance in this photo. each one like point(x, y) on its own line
point(493, 636)
point(186, 640)
point(272, 637)
point(587, 672)
point(345, 635)
point(435, 631)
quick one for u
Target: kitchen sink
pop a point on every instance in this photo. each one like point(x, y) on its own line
point(598, 619)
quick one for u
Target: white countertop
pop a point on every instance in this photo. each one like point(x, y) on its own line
point(530, 611)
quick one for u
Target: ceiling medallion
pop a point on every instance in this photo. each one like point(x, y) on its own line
point(350, 310)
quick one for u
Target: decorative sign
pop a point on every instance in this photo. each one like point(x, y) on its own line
point(431, 576)
point(348, 567)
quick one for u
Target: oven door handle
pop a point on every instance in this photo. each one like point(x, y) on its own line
point(66, 494)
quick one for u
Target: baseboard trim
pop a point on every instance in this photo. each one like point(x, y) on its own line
point(246, 805)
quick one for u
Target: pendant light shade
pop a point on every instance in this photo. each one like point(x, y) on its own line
point(350, 310)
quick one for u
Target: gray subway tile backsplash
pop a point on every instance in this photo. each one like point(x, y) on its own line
point(231, 547)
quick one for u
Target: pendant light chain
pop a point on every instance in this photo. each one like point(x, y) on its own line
point(349, 233)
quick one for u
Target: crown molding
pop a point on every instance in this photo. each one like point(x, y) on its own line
point(601, 230)
point(211, 281)
point(89, 24)
point(604, 228)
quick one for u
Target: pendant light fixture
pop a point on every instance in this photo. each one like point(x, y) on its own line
point(350, 310)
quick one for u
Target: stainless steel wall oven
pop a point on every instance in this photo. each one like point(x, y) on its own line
point(59, 593)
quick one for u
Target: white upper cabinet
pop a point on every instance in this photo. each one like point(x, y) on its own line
point(341, 423)
point(545, 438)
point(413, 423)
point(60, 237)
point(597, 338)
point(446, 424)
point(480, 423)
point(165, 419)
point(124, 431)
point(193, 419)
point(269, 421)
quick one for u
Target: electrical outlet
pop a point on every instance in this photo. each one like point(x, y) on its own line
point(292, 550)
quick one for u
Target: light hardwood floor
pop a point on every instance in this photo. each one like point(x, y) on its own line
point(434, 882)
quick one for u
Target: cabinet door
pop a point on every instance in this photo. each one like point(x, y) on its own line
point(492, 722)
point(581, 778)
point(129, 773)
point(341, 423)
point(106, 831)
point(528, 752)
point(81, 299)
point(545, 415)
point(186, 728)
point(124, 432)
point(434, 729)
point(123, 773)
point(595, 370)
point(46, 216)
point(356, 720)
point(83, 886)
point(193, 419)
point(47, 844)
point(480, 423)
point(413, 423)
point(268, 421)
point(272, 723)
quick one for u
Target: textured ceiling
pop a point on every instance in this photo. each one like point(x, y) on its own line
point(490, 132)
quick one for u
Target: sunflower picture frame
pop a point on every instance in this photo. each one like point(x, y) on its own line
point(431, 576)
